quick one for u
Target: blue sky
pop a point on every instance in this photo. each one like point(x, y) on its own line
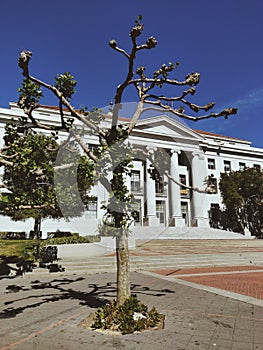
point(220, 39)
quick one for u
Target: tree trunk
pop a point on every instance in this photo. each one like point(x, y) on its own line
point(36, 226)
point(123, 268)
point(37, 231)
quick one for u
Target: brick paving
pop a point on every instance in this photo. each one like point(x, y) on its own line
point(198, 270)
point(201, 246)
point(234, 279)
point(250, 284)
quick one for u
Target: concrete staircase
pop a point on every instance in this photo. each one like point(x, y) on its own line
point(173, 254)
point(149, 233)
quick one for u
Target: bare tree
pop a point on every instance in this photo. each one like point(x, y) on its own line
point(113, 140)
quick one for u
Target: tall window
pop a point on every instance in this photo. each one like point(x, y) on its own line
point(242, 166)
point(160, 211)
point(211, 163)
point(182, 179)
point(135, 180)
point(214, 215)
point(184, 211)
point(227, 165)
point(136, 212)
point(93, 147)
point(159, 184)
point(92, 208)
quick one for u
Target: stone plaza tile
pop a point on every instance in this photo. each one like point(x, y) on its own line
point(238, 345)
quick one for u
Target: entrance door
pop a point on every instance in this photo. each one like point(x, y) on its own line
point(185, 212)
point(137, 212)
point(160, 212)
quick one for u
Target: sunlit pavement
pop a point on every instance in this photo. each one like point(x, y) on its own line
point(204, 306)
point(45, 313)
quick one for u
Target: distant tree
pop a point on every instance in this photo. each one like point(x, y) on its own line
point(109, 161)
point(30, 174)
point(242, 195)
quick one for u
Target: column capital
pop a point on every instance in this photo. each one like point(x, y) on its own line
point(175, 150)
point(151, 149)
point(198, 155)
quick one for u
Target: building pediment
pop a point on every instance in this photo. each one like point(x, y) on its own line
point(166, 126)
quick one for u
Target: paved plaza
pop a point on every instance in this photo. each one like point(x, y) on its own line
point(215, 307)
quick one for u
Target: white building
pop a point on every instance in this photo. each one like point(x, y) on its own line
point(193, 156)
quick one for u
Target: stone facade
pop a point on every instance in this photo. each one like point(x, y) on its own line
point(192, 156)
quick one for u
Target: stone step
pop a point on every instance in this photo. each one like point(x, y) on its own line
point(148, 267)
point(144, 232)
point(172, 254)
point(151, 263)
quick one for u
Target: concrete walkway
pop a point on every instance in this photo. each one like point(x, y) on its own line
point(46, 313)
point(204, 307)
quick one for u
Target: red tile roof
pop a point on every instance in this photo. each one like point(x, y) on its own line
point(56, 108)
point(127, 119)
point(218, 135)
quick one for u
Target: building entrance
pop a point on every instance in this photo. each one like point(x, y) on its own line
point(160, 212)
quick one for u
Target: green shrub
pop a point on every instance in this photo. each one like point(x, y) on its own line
point(127, 318)
point(12, 235)
point(58, 233)
point(107, 230)
point(74, 239)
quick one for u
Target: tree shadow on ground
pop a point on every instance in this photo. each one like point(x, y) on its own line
point(60, 289)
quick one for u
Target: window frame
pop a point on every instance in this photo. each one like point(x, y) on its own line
point(92, 213)
point(242, 166)
point(227, 165)
point(211, 163)
point(135, 181)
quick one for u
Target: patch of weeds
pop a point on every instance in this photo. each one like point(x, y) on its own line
point(132, 316)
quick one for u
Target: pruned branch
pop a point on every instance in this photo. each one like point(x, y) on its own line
point(151, 42)
point(71, 109)
point(194, 107)
point(84, 146)
point(5, 162)
point(9, 157)
point(207, 190)
point(113, 45)
point(23, 62)
point(3, 186)
point(64, 166)
point(160, 77)
point(135, 117)
point(104, 181)
point(191, 80)
point(181, 113)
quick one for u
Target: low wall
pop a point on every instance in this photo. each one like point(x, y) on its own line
point(107, 245)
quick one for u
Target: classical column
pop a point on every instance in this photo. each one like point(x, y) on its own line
point(152, 220)
point(177, 219)
point(199, 200)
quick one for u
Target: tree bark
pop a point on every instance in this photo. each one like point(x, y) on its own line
point(123, 268)
point(37, 231)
